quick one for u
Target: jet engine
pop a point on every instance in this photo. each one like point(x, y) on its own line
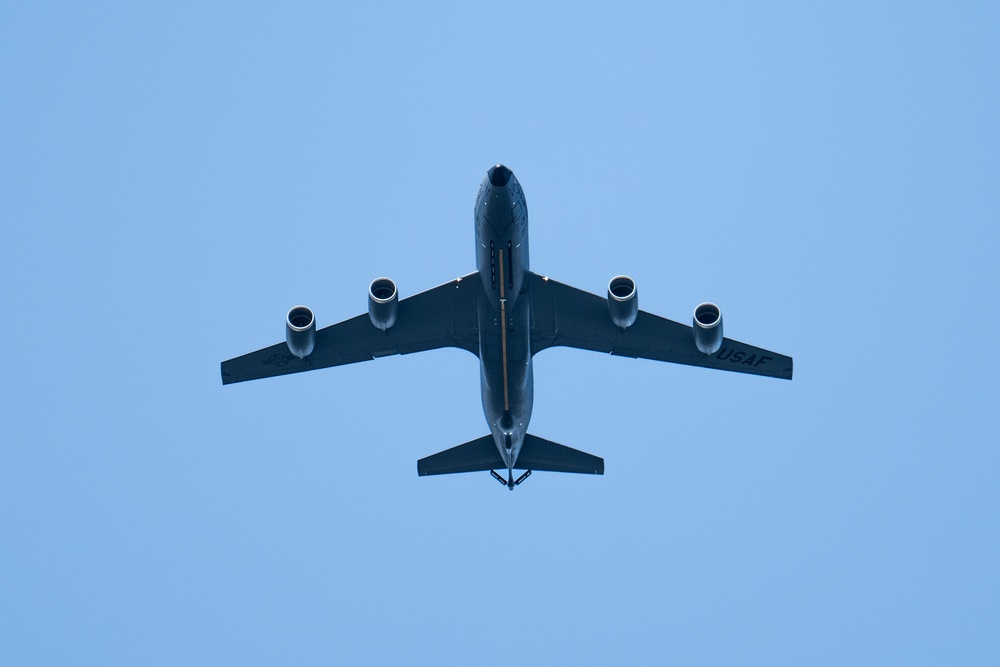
point(708, 327)
point(300, 331)
point(383, 303)
point(623, 301)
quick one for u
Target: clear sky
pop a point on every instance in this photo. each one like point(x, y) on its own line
point(175, 176)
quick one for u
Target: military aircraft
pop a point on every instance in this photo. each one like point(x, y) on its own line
point(505, 314)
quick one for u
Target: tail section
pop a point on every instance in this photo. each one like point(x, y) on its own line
point(536, 454)
point(540, 454)
point(478, 454)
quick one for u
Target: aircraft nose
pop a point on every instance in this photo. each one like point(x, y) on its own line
point(499, 175)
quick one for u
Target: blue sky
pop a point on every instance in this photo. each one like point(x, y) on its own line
point(174, 178)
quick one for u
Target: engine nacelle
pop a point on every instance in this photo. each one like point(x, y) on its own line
point(300, 331)
point(708, 327)
point(623, 301)
point(383, 303)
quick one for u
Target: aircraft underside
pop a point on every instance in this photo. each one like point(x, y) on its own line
point(505, 314)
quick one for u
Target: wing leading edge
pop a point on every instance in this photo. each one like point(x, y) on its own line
point(443, 316)
point(569, 317)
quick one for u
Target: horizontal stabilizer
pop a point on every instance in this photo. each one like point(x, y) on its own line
point(540, 454)
point(479, 454)
point(536, 454)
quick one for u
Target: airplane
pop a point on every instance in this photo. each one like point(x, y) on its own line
point(505, 314)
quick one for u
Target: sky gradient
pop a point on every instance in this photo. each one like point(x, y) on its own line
point(173, 178)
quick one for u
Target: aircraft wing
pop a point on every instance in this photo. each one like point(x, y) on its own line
point(566, 316)
point(443, 316)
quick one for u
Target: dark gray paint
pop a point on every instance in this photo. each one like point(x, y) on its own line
point(471, 312)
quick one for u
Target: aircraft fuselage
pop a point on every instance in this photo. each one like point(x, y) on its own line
point(505, 313)
point(501, 217)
